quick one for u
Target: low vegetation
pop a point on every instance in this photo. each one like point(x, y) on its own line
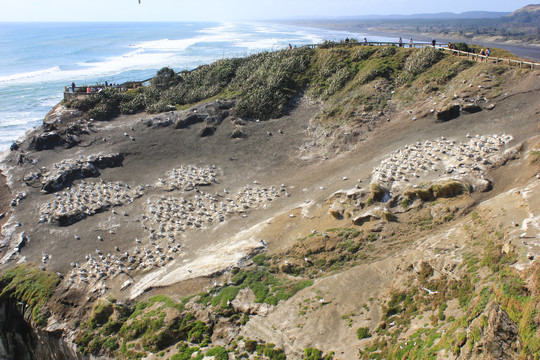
point(265, 84)
point(486, 277)
point(29, 285)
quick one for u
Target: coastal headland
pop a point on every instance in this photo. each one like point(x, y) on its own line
point(251, 207)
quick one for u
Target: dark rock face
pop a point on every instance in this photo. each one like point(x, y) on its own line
point(448, 112)
point(46, 141)
point(21, 340)
point(499, 338)
point(67, 171)
point(207, 131)
point(53, 134)
point(212, 114)
point(188, 120)
point(471, 108)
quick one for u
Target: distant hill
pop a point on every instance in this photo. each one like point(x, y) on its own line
point(529, 14)
point(440, 15)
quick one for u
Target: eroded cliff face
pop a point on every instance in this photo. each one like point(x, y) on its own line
point(492, 335)
point(21, 339)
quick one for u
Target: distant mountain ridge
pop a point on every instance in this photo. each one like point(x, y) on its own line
point(440, 15)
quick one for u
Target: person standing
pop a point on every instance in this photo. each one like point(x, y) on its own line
point(400, 42)
point(73, 87)
point(433, 42)
point(410, 43)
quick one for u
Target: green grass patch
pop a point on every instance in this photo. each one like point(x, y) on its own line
point(30, 285)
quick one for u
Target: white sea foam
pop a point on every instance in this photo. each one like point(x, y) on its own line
point(168, 45)
point(29, 76)
point(273, 43)
point(155, 54)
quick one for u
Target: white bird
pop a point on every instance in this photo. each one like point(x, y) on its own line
point(430, 292)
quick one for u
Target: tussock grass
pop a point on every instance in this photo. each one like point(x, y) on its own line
point(447, 189)
point(28, 284)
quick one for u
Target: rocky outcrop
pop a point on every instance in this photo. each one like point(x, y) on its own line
point(492, 335)
point(245, 303)
point(448, 112)
point(212, 114)
point(471, 108)
point(157, 122)
point(68, 170)
point(53, 136)
point(45, 141)
point(188, 120)
point(238, 134)
point(207, 131)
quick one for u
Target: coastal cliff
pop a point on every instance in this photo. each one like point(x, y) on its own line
point(252, 206)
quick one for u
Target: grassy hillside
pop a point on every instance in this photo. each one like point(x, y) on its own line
point(265, 84)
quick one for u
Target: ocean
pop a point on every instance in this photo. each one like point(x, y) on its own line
point(39, 59)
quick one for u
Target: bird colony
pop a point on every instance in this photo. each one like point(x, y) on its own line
point(440, 156)
point(162, 220)
point(187, 178)
point(169, 215)
point(86, 199)
point(100, 266)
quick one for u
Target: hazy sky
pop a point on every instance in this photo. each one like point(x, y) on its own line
point(200, 10)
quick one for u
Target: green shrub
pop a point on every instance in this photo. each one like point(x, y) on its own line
point(363, 333)
point(165, 78)
point(184, 352)
point(218, 353)
point(316, 354)
point(110, 344)
point(251, 346)
point(462, 46)
point(101, 312)
point(419, 61)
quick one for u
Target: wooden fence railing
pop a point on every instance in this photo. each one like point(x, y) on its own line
point(477, 57)
point(494, 60)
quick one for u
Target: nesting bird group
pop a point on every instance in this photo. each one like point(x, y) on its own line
point(99, 266)
point(187, 178)
point(162, 220)
point(442, 156)
point(88, 198)
point(170, 214)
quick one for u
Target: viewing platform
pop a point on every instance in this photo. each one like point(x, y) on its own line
point(80, 92)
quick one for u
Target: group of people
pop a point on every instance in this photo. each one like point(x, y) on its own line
point(486, 52)
point(90, 89)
